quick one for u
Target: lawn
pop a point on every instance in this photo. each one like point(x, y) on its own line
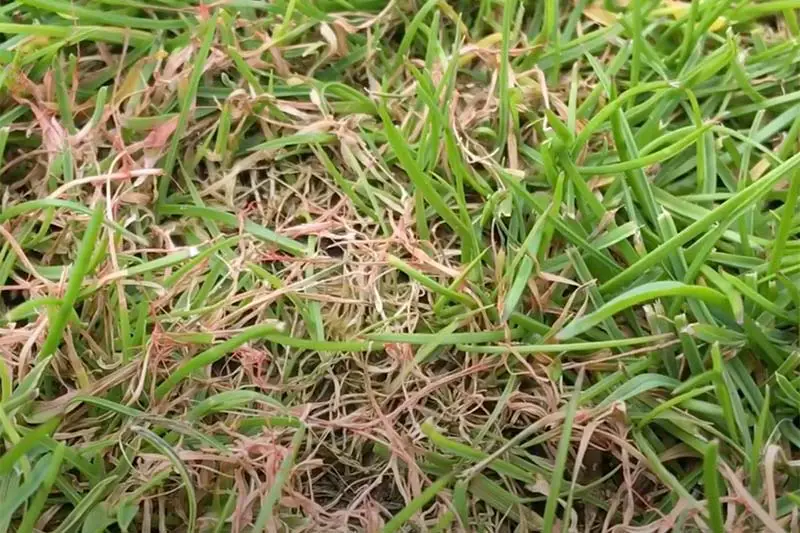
point(358, 265)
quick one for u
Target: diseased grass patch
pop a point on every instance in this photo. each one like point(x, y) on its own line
point(409, 266)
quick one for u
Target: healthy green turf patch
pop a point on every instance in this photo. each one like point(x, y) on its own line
point(358, 265)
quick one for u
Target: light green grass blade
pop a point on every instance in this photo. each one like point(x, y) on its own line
point(561, 458)
point(80, 268)
point(212, 354)
point(644, 293)
point(186, 107)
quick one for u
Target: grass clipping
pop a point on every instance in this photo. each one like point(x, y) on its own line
point(399, 266)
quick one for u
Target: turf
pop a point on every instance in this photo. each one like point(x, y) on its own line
point(356, 265)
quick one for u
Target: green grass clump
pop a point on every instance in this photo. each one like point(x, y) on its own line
point(357, 265)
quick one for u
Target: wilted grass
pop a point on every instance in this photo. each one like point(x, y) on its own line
point(407, 266)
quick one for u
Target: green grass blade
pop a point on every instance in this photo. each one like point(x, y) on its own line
point(711, 486)
point(420, 180)
point(207, 357)
point(163, 447)
point(637, 295)
point(186, 107)
point(86, 504)
point(37, 505)
point(562, 452)
point(274, 494)
point(79, 270)
point(723, 213)
point(415, 505)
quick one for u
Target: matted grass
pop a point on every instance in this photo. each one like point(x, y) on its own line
point(349, 265)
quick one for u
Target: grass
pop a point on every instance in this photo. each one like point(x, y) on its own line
point(399, 266)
